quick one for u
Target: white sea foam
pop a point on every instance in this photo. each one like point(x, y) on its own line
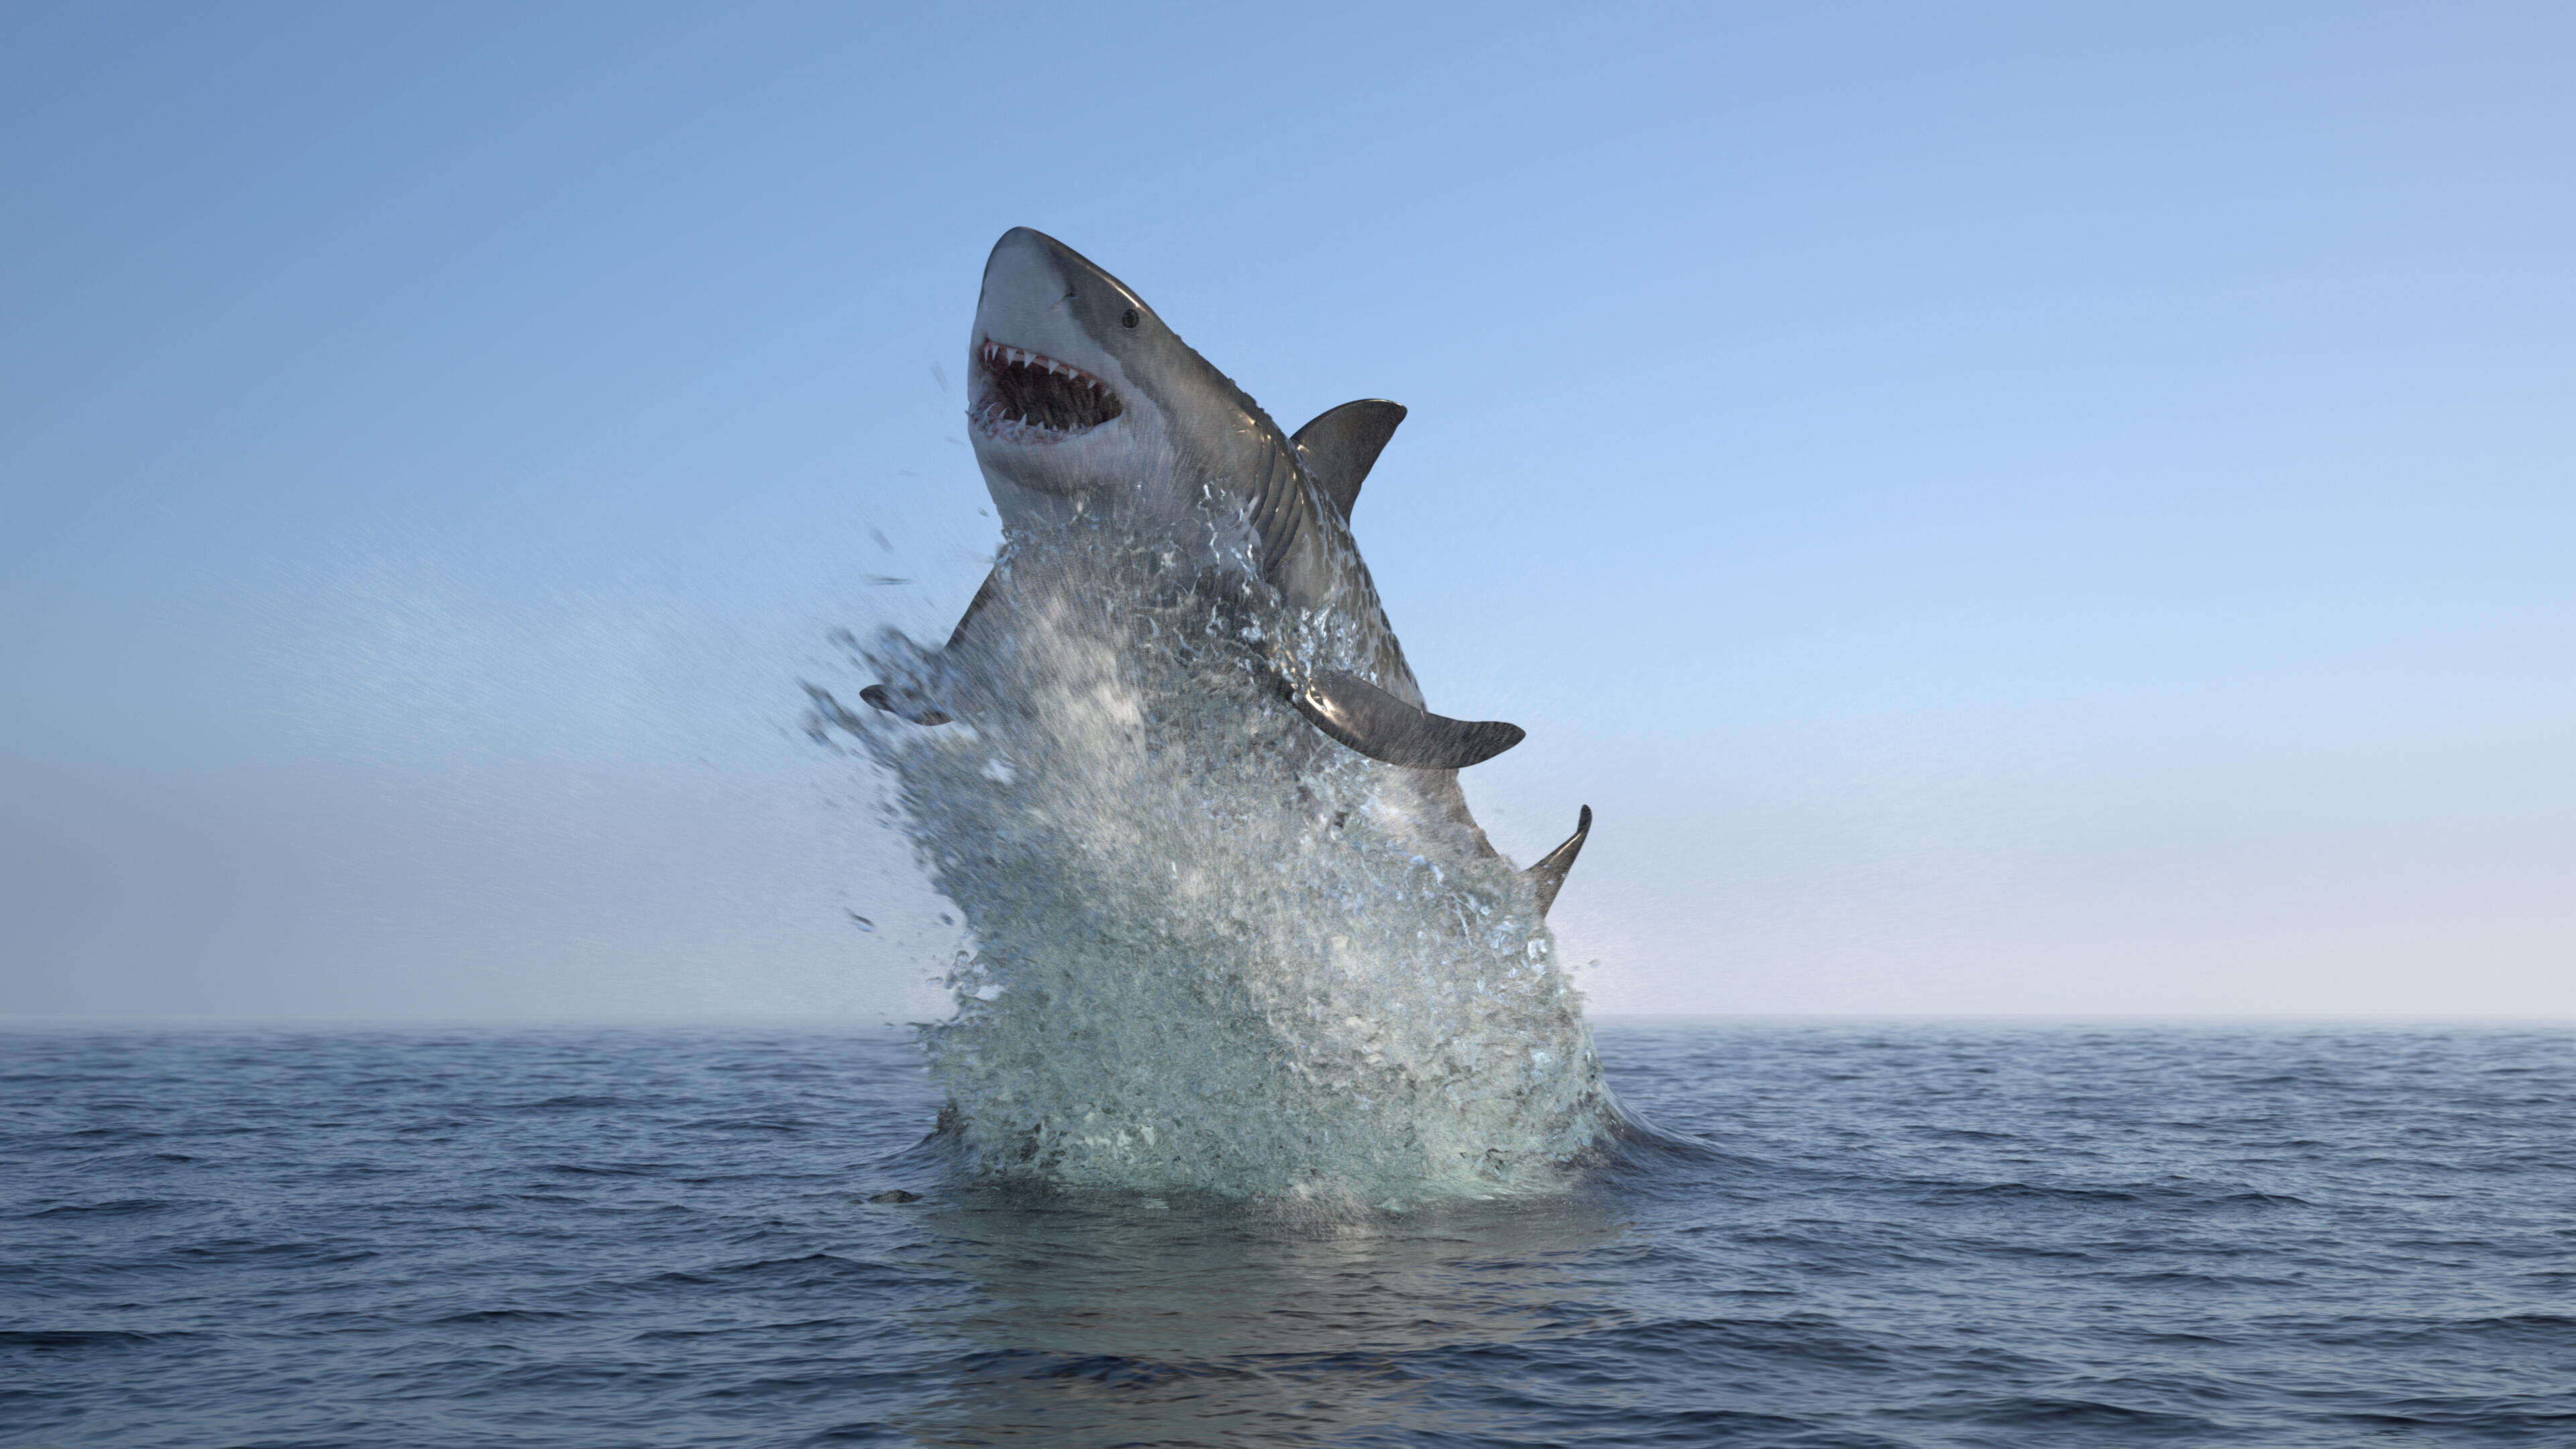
point(1213, 949)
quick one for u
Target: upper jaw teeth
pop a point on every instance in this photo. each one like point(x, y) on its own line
point(1014, 403)
point(996, 355)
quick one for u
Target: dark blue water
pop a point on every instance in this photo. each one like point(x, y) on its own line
point(1911, 1235)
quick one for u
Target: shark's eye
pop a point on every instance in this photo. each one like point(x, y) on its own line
point(1127, 318)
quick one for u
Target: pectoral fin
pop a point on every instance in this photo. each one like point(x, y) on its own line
point(1383, 727)
point(991, 590)
point(1549, 874)
point(918, 711)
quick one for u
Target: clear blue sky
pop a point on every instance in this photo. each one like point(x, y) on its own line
point(2001, 508)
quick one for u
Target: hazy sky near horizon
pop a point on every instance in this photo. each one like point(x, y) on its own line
point(2000, 508)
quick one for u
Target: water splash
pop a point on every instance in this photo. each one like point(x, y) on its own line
point(1213, 950)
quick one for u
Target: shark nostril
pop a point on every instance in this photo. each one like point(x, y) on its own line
point(1128, 318)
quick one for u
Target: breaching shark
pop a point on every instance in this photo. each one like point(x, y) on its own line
point(1082, 398)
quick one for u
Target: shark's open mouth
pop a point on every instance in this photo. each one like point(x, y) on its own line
point(1031, 399)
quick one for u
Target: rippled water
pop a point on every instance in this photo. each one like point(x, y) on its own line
point(1878, 1235)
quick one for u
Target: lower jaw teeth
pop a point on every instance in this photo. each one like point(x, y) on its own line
point(1023, 420)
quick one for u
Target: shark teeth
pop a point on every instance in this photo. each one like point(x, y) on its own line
point(1030, 398)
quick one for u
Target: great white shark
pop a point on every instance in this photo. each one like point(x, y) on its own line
point(1084, 400)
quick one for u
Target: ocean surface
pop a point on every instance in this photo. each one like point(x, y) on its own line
point(1925, 1234)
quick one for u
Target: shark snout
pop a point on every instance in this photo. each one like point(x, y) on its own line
point(1024, 252)
point(1030, 272)
point(1033, 279)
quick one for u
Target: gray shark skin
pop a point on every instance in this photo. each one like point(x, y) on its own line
point(1083, 399)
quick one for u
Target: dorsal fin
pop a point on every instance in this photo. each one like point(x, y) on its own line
point(1341, 445)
